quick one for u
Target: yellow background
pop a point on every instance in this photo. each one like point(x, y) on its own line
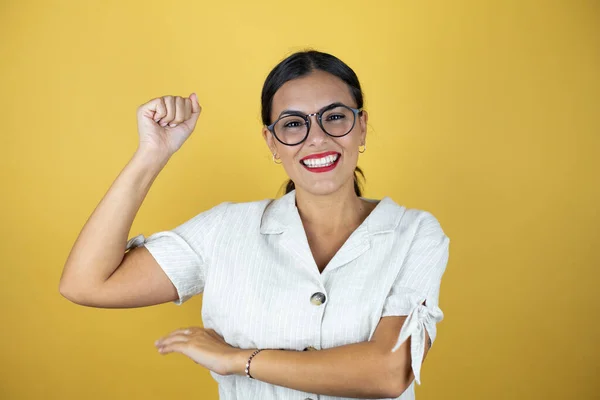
point(485, 113)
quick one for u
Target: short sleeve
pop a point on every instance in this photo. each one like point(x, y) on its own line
point(418, 282)
point(182, 251)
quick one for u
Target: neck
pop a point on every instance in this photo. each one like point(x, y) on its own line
point(331, 213)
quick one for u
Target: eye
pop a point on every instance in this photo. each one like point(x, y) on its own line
point(293, 124)
point(335, 117)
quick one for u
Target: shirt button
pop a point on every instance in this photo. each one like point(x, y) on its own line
point(317, 299)
point(309, 348)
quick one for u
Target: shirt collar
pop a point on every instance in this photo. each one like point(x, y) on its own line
point(278, 215)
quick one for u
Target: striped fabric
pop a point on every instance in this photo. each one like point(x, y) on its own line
point(253, 264)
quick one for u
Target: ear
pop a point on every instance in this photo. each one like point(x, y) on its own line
point(362, 120)
point(270, 140)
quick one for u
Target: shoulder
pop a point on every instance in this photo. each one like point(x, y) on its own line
point(231, 213)
point(423, 222)
point(225, 211)
point(424, 244)
point(411, 222)
point(428, 245)
point(246, 207)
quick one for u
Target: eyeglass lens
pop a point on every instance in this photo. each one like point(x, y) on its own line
point(292, 129)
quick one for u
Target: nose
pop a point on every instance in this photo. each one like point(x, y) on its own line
point(316, 135)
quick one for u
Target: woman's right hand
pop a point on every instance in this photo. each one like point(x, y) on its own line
point(164, 123)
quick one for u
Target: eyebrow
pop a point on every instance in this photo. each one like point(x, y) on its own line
point(295, 112)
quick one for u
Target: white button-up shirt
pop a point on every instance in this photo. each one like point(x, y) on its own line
point(253, 264)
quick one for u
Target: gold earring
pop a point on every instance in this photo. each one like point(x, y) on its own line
point(276, 159)
point(363, 150)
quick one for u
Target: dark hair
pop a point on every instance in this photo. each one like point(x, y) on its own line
point(303, 63)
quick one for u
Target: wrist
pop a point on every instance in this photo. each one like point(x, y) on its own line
point(239, 361)
point(151, 158)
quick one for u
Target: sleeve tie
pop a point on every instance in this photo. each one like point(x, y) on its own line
point(419, 319)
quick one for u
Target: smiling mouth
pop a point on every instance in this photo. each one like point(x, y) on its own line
point(322, 162)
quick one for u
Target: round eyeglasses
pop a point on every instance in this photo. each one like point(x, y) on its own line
point(336, 120)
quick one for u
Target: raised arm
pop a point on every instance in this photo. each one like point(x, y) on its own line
point(98, 272)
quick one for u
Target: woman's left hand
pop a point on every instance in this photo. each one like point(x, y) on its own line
point(205, 347)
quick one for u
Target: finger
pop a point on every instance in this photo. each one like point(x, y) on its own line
point(179, 112)
point(177, 347)
point(160, 110)
point(174, 339)
point(183, 331)
point(170, 104)
point(196, 109)
point(153, 109)
point(188, 108)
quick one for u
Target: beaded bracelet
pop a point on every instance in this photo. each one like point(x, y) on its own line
point(248, 363)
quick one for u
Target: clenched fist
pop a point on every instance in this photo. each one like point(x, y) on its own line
point(164, 123)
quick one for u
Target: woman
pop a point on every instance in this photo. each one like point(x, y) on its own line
point(321, 268)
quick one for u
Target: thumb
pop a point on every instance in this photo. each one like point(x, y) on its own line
point(195, 105)
point(196, 109)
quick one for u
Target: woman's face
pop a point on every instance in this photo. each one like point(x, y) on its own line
point(308, 95)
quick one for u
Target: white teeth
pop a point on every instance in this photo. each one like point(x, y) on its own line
point(321, 162)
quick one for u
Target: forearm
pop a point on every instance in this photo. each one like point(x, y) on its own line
point(100, 246)
point(360, 370)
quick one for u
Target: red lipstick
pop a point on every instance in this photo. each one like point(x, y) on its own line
point(321, 155)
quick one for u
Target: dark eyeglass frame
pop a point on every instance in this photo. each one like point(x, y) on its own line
point(319, 114)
